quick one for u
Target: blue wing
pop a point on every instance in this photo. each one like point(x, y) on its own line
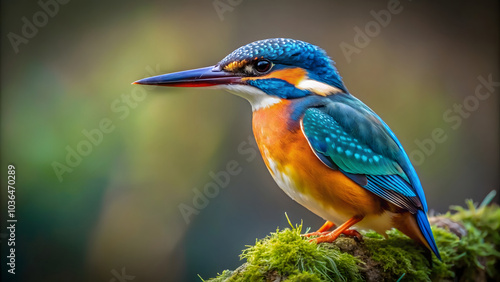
point(348, 136)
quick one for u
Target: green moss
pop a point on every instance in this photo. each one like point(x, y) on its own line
point(398, 255)
point(221, 277)
point(287, 256)
point(477, 253)
point(304, 277)
point(445, 240)
point(292, 257)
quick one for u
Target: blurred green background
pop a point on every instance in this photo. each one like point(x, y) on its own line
point(115, 211)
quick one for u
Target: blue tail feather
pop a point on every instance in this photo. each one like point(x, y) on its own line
point(425, 227)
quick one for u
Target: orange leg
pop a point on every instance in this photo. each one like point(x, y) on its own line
point(327, 226)
point(342, 229)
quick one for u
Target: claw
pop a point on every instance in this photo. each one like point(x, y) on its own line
point(322, 230)
point(342, 229)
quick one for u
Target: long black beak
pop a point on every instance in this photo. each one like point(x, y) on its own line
point(209, 76)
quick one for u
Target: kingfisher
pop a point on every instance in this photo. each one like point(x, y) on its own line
point(325, 148)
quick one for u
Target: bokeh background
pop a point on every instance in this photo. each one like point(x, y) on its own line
point(115, 213)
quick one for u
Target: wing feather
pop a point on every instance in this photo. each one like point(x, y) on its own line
point(357, 145)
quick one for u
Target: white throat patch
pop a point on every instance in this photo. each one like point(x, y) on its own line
point(257, 98)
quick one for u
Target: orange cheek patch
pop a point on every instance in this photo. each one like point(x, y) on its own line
point(293, 75)
point(235, 65)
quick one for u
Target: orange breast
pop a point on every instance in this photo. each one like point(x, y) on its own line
point(298, 171)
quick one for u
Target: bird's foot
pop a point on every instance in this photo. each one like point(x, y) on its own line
point(353, 233)
point(332, 236)
point(317, 233)
point(323, 230)
point(342, 229)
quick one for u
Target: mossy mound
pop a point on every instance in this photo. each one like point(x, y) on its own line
point(468, 240)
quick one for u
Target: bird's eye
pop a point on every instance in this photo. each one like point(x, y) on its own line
point(263, 66)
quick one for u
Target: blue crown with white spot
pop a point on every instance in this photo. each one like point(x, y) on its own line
point(290, 52)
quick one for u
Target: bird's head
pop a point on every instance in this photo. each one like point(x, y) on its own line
point(264, 72)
